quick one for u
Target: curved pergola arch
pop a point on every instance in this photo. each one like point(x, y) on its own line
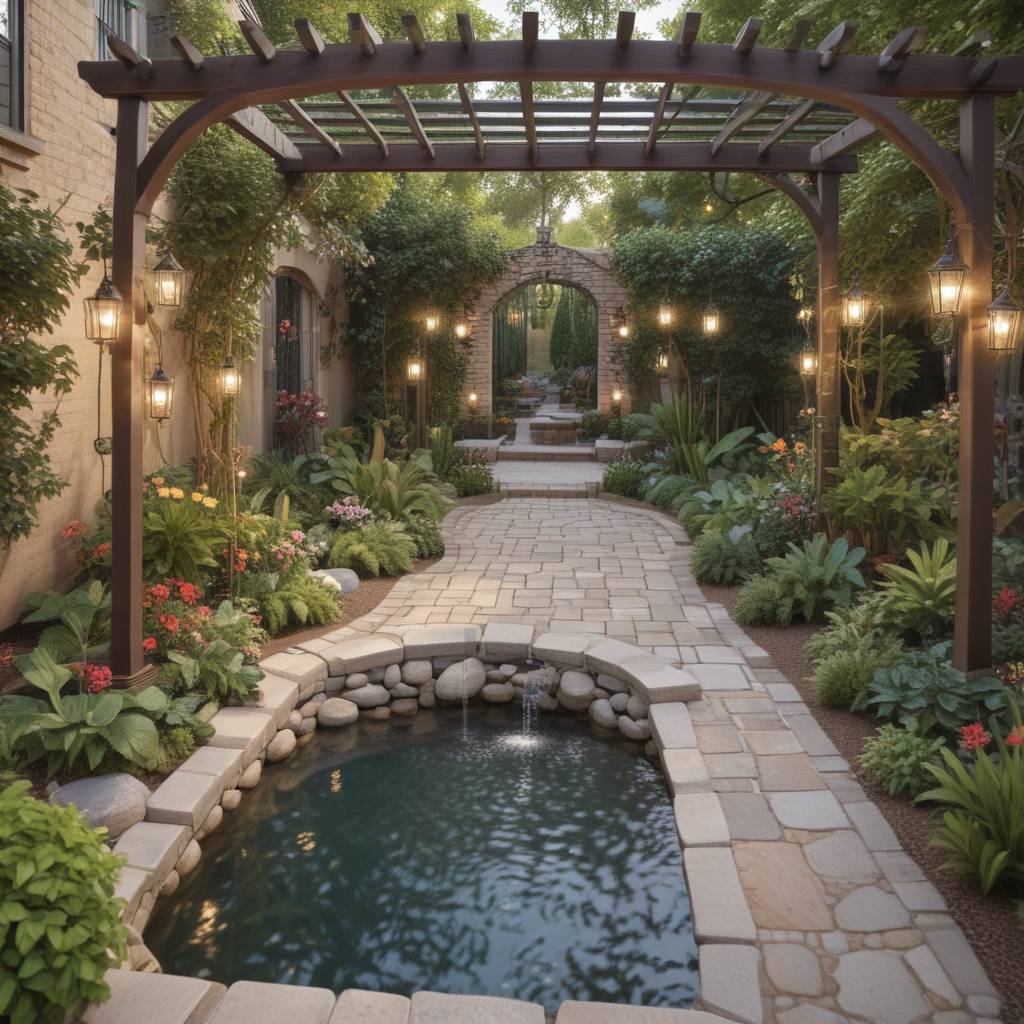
point(231, 88)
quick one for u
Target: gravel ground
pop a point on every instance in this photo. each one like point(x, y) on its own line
point(992, 925)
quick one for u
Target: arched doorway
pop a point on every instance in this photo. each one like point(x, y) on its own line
point(585, 273)
point(544, 337)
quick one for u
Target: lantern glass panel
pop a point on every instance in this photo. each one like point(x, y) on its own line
point(170, 281)
point(1003, 323)
point(161, 394)
point(710, 320)
point(666, 315)
point(103, 313)
point(230, 379)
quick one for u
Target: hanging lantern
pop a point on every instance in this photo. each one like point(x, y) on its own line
point(708, 205)
point(414, 370)
point(1003, 322)
point(462, 327)
point(170, 280)
point(620, 324)
point(230, 378)
point(808, 361)
point(544, 295)
point(946, 279)
point(855, 304)
point(103, 313)
point(661, 364)
point(616, 396)
point(160, 389)
point(472, 402)
point(710, 319)
point(431, 322)
point(666, 315)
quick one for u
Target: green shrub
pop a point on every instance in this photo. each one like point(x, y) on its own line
point(815, 577)
point(920, 599)
point(298, 600)
point(1007, 643)
point(383, 548)
point(175, 745)
point(625, 477)
point(471, 477)
point(923, 691)
point(757, 603)
point(841, 677)
point(897, 758)
point(726, 558)
point(861, 623)
point(669, 491)
point(442, 451)
point(60, 925)
point(426, 533)
point(593, 425)
point(179, 540)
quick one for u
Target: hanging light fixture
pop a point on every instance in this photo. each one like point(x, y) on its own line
point(230, 378)
point(808, 361)
point(946, 279)
point(855, 304)
point(661, 363)
point(462, 326)
point(160, 391)
point(414, 370)
point(472, 400)
point(431, 321)
point(103, 313)
point(708, 205)
point(1003, 322)
point(666, 315)
point(710, 319)
point(620, 324)
point(616, 396)
point(170, 280)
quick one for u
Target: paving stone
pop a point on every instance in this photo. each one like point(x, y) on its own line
point(609, 656)
point(793, 968)
point(719, 677)
point(877, 985)
point(730, 766)
point(241, 729)
point(439, 1008)
point(782, 891)
point(699, 820)
point(718, 739)
point(224, 763)
point(572, 1012)
point(870, 909)
point(788, 773)
point(811, 736)
point(562, 648)
point(356, 1006)
point(167, 998)
point(810, 810)
point(926, 966)
point(748, 816)
point(772, 742)
point(363, 654)
point(720, 910)
point(507, 640)
point(808, 1013)
point(685, 771)
point(656, 681)
point(300, 666)
point(920, 896)
point(842, 857)
point(252, 1002)
point(869, 821)
point(898, 866)
point(153, 847)
point(960, 962)
point(671, 725)
point(132, 883)
point(184, 798)
point(277, 697)
point(729, 981)
point(440, 641)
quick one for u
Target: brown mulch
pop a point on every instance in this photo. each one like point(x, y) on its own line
point(992, 925)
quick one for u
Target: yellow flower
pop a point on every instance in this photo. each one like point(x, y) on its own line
point(177, 492)
point(197, 495)
point(800, 447)
point(204, 487)
point(158, 480)
point(164, 492)
point(209, 502)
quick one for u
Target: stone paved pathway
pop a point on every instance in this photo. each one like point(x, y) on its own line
point(792, 860)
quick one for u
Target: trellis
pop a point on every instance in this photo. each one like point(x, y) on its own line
point(362, 117)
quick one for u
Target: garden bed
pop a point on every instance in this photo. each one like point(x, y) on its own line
point(992, 926)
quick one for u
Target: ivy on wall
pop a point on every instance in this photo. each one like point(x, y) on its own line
point(509, 336)
point(574, 331)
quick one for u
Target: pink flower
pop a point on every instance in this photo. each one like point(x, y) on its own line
point(149, 644)
point(73, 529)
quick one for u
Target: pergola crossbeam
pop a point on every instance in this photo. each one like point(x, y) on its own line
point(309, 126)
point(467, 36)
point(531, 30)
point(362, 32)
point(529, 120)
point(129, 57)
point(624, 28)
point(688, 32)
point(258, 41)
point(835, 43)
point(253, 124)
point(894, 56)
point(786, 125)
point(747, 110)
point(798, 34)
point(467, 106)
point(311, 40)
point(656, 120)
point(595, 116)
point(188, 53)
point(846, 140)
point(414, 32)
point(364, 122)
point(747, 37)
point(404, 104)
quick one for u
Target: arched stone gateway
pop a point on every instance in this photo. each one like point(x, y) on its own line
point(586, 269)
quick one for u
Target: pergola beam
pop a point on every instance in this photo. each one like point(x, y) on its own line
point(835, 43)
point(567, 156)
point(192, 57)
point(258, 42)
point(414, 32)
point(894, 56)
point(846, 140)
point(688, 32)
point(467, 106)
point(467, 36)
point(309, 126)
point(365, 123)
point(745, 112)
point(531, 30)
point(253, 124)
point(362, 32)
point(624, 28)
point(529, 120)
point(798, 34)
point(786, 125)
point(311, 40)
point(747, 37)
point(404, 104)
point(659, 115)
point(595, 116)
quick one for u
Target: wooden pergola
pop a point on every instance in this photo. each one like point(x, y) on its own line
point(774, 112)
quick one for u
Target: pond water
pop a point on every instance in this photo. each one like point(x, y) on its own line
point(451, 854)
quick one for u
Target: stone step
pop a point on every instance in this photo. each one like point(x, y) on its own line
point(547, 453)
point(522, 490)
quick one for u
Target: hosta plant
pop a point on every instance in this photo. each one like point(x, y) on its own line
point(60, 923)
point(920, 599)
point(814, 576)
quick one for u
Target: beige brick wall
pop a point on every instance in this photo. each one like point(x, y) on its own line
point(67, 157)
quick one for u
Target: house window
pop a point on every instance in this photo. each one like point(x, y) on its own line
point(12, 64)
point(119, 18)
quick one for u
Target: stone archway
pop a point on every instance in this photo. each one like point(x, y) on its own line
point(586, 269)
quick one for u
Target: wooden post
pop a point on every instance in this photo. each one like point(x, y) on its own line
point(829, 392)
point(972, 630)
point(126, 393)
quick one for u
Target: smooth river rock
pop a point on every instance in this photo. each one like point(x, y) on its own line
point(417, 672)
point(114, 802)
point(498, 693)
point(336, 711)
point(463, 679)
point(635, 729)
point(603, 714)
point(280, 746)
point(373, 695)
point(250, 778)
point(575, 690)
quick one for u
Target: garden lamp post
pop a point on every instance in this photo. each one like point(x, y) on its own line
point(661, 363)
point(808, 361)
point(431, 321)
point(415, 375)
point(103, 313)
point(160, 391)
point(1003, 323)
point(946, 279)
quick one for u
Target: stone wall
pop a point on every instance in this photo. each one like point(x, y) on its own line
point(586, 269)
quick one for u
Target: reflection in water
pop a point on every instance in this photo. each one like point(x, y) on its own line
point(459, 861)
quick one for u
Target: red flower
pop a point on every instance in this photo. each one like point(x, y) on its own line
point(159, 593)
point(100, 677)
point(1006, 602)
point(149, 644)
point(1016, 737)
point(170, 622)
point(974, 736)
point(73, 529)
point(190, 593)
point(204, 611)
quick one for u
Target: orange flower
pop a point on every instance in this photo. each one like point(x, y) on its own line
point(799, 447)
point(780, 445)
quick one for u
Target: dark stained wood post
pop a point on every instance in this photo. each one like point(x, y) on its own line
point(126, 392)
point(829, 393)
point(972, 631)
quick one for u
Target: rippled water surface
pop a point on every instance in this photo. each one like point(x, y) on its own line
point(437, 854)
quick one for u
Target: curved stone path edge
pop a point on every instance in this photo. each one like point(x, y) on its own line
point(805, 908)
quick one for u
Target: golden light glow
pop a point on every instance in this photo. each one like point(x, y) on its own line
point(666, 315)
point(710, 320)
point(808, 362)
point(616, 396)
point(662, 364)
point(1003, 323)
point(461, 329)
point(170, 280)
point(161, 394)
point(103, 313)
point(431, 322)
point(946, 278)
point(472, 399)
point(414, 370)
point(230, 378)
